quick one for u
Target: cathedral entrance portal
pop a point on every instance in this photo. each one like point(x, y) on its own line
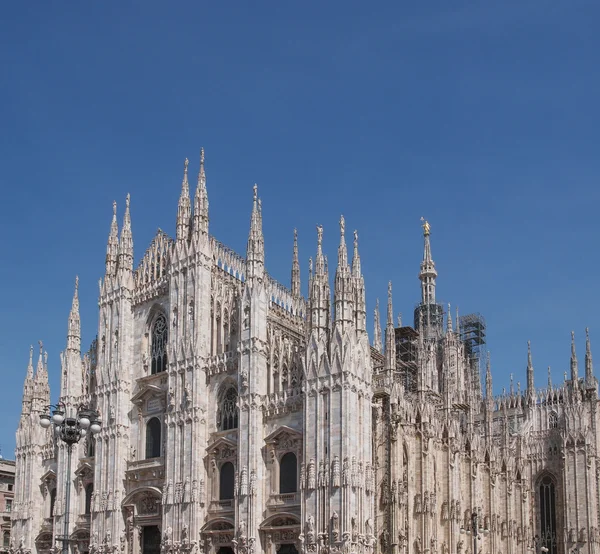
point(151, 540)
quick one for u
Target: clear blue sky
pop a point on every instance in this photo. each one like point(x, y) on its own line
point(481, 116)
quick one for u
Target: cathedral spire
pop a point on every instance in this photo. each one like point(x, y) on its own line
point(201, 202)
point(356, 268)
point(184, 207)
point(549, 378)
point(126, 242)
point(449, 329)
point(489, 391)
point(319, 293)
point(574, 365)
point(530, 377)
point(390, 334)
point(112, 248)
point(28, 385)
point(377, 345)
point(295, 268)
point(74, 331)
point(344, 290)
point(457, 322)
point(589, 367)
point(255, 252)
point(428, 274)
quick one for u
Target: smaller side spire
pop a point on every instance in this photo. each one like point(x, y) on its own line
point(530, 376)
point(184, 208)
point(28, 385)
point(449, 320)
point(549, 378)
point(589, 366)
point(255, 251)
point(574, 365)
point(201, 202)
point(457, 322)
point(295, 268)
point(112, 248)
point(74, 331)
point(126, 241)
point(489, 392)
point(377, 344)
point(390, 333)
point(356, 268)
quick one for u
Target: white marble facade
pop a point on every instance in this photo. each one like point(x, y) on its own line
point(239, 416)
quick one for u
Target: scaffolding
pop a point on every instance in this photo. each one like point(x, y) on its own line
point(473, 335)
point(406, 356)
point(431, 316)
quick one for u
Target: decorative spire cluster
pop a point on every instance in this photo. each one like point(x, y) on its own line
point(319, 291)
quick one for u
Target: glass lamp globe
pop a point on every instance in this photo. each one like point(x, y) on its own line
point(95, 427)
point(45, 421)
point(84, 422)
point(58, 417)
point(82, 432)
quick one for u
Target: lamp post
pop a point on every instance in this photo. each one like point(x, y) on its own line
point(476, 529)
point(70, 430)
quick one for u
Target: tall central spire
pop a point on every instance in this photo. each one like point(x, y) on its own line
point(428, 274)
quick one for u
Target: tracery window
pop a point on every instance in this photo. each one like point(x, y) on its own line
point(548, 514)
point(553, 420)
point(160, 334)
point(226, 481)
point(288, 473)
point(153, 436)
point(227, 414)
point(89, 490)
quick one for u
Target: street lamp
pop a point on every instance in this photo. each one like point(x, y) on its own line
point(476, 529)
point(70, 430)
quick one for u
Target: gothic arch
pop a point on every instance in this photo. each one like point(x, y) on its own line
point(547, 509)
point(131, 497)
point(227, 407)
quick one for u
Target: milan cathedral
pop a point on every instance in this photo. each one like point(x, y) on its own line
point(240, 417)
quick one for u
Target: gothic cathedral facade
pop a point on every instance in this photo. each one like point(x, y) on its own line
point(240, 417)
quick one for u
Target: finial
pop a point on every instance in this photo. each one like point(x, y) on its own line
point(426, 227)
point(41, 346)
point(549, 377)
point(319, 235)
point(355, 238)
point(202, 156)
point(185, 166)
point(127, 200)
point(399, 319)
point(389, 289)
point(295, 235)
point(115, 208)
point(587, 333)
point(342, 225)
point(310, 265)
point(255, 189)
point(31, 354)
point(76, 283)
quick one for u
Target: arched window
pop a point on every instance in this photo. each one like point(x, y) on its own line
point(89, 490)
point(226, 481)
point(227, 414)
point(553, 420)
point(52, 501)
point(6, 539)
point(288, 473)
point(153, 432)
point(91, 447)
point(160, 334)
point(548, 515)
